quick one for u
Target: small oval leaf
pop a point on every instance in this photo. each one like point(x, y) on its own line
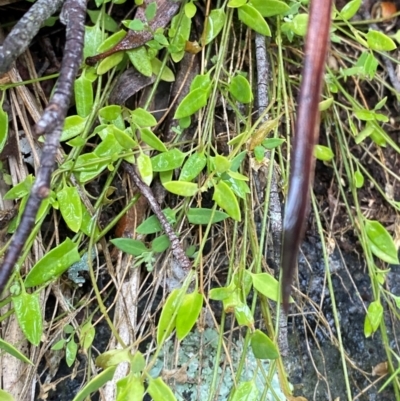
point(167, 323)
point(181, 188)
point(262, 346)
point(188, 313)
point(240, 89)
point(168, 160)
point(70, 207)
point(159, 391)
point(226, 199)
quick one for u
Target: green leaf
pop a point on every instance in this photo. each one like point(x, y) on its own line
point(167, 74)
point(70, 352)
point(203, 216)
point(131, 246)
point(83, 89)
point(267, 285)
point(150, 11)
point(167, 320)
point(215, 23)
point(253, 19)
point(130, 388)
point(270, 8)
point(240, 89)
point(152, 140)
point(222, 293)
point(111, 41)
point(141, 60)
point(191, 103)
point(93, 38)
point(10, 349)
point(70, 207)
point(179, 34)
point(236, 3)
point(181, 188)
point(20, 190)
point(379, 41)
point(262, 346)
point(143, 118)
point(94, 384)
point(350, 9)
point(138, 363)
point(109, 62)
point(123, 138)
point(188, 313)
point(299, 24)
point(323, 153)
point(193, 166)
point(373, 318)
point(3, 128)
point(113, 357)
point(246, 391)
point(160, 244)
point(59, 345)
point(358, 179)
point(152, 225)
point(73, 126)
point(145, 168)
point(159, 391)
point(381, 242)
point(5, 396)
point(244, 315)
point(226, 199)
point(169, 160)
point(29, 316)
point(325, 104)
point(87, 335)
point(53, 264)
point(190, 9)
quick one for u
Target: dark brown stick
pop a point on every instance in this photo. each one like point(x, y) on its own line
point(145, 190)
point(306, 135)
point(73, 15)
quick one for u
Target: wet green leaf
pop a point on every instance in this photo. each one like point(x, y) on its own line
point(191, 103)
point(246, 391)
point(181, 188)
point(358, 179)
point(94, 384)
point(215, 23)
point(29, 316)
point(53, 264)
point(70, 352)
point(145, 168)
point(152, 140)
point(167, 320)
point(373, 318)
point(203, 216)
point(130, 388)
point(143, 118)
point(240, 89)
point(70, 207)
point(160, 244)
point(188, 313)
point(131, 246)
point(83, 89)
point(3, 128)
point(262, 346)
point(10, 349)
point(141, 60)
point(5, 396)
point(323, 153)
point(379, 41)
point(168, 160)
point(270, 8)
point(193, 166)
point(113, 358)
point(226, 199)
point(381, 242)
point(73, 126)
point(350, 9)
point(253, 19)
point(244, 316)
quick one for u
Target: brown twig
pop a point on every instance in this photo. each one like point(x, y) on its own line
point(73, 15)
point(306, 135)
point(145, 190)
